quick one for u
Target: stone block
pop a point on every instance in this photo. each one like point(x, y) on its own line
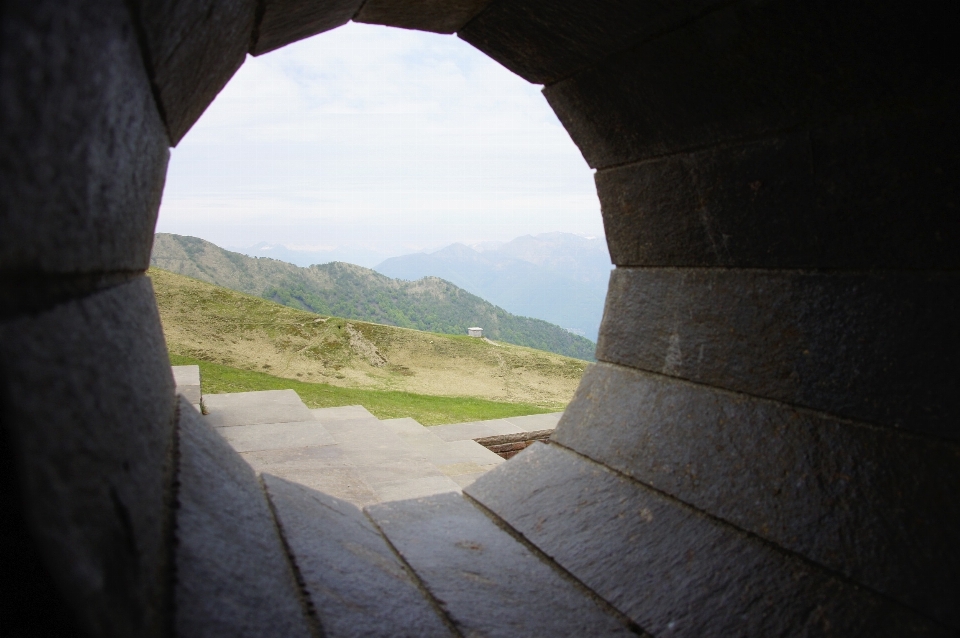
point(83, 154)
point(187, 380)
point(875, 347)
point(342, 557)
point(233, 575)
point(405, 488)
point(475, 429)
point(341, 417)
point(276, 436)
point(487, 582)
point(439, 16)
point(192, 49)
point(536, 422)
point(319, 468)
point(668, 567)
point(405, 427)
point(286, 21)
point(747, 69)
point(88, 411)
point(543, 41)
point(248, 408)
point(871, 503)
point(863, 194)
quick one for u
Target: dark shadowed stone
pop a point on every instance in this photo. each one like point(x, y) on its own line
point(752, 68)
point(89, 407)
point(877, 347)
point(439, 16)
point(83, 152)
point(33, 605)
point(286, 21)
point(487, 582)
point(872, 503)
point(342, 557)
point(671, 569)
point(545, 40)
point(233, 575)
point(193, 48)
point(865, 194)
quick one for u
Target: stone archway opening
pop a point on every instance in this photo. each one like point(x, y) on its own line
point(772, 411)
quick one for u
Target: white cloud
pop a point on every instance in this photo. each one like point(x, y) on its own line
point(399, 139)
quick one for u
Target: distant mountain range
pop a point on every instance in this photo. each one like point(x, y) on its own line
point(558, 277)
point(354, 292)
point(309, 256)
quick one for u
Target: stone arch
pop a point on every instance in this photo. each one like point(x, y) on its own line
point(769, 442)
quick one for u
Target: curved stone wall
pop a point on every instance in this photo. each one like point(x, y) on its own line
point(769, 443)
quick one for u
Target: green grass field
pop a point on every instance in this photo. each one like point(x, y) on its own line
point(426, 409)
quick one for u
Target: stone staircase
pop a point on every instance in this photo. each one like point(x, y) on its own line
point(300, 522)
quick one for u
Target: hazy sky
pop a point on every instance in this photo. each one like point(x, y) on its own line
point(394, 140)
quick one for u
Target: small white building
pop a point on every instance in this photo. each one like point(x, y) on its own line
point(475, 332)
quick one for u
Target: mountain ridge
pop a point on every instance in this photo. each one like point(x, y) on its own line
point(558, 277)
point(354, 292)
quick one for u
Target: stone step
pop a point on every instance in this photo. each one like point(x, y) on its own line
point(233, 576)
point(187, 380)
point(463, 461)
point(342, 557)
point(495, 427)
point(392, 469)
point(249, 408)
point(487, 582)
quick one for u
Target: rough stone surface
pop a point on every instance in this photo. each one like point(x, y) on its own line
point(751, 68)
point(88, 409)
point(871, 503)
point(342, 557)
point(487, 582)
point(193, 48)
point(323, 468)
point(248, 408)
point(669, 568)
point(439, 16)
point(83, 153)
point(831, 197)
point(233, 574)
point(854, 344)
point(275, 436)
point(286, 21)
point(545, 40)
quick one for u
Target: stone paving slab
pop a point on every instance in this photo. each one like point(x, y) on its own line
point(341, 414)
point(455, 459)
point(474, 429)
point(644, 551)
point(489, 584)
point(276, 436)
point(535, 422)
point(187, 380)
point(233, 575)
point(248, 408)
point(405, 426)
point(392, 469)
point(320, 468)
point(343, 557)
point(420, 487)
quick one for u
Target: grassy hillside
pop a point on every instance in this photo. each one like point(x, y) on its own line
point(353, 292)
point(213, 324)
point(426, 409)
